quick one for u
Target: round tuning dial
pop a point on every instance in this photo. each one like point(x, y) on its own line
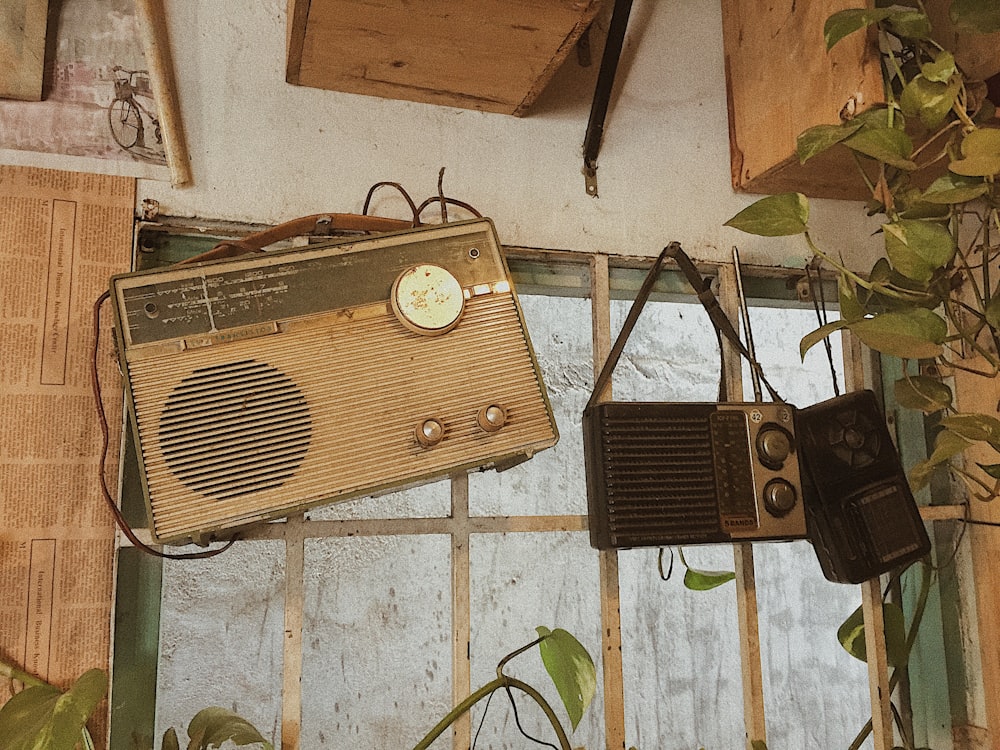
point(779, 497)
point(774, 445)
point(427, 299)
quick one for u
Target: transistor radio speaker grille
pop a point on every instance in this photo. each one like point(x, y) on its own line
point(659, 479)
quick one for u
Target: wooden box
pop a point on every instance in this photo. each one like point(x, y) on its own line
point(492, 55)
point(780, 80)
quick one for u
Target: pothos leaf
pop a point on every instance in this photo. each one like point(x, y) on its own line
point(705, 580)
point(43, 716)
point(929, 100)
point(979, 15)
point(918, 247)
point(571, 669)
point(946, 445)
point(850, 306)
point(909, 334)
point(953, 188)
point(851, 634)
point(170, 741)
point(992, 311)
point(924, 393)
point(774, 216)
point(888, 145)
point(848, 21)
point(908, 23)
point(819, 138)
point(980, 154)
point(213, 726)
point(814, 337)
point(974, 427)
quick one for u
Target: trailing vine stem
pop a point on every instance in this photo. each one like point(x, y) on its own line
point(926, 578)
point(502, 681)
point(505, 682)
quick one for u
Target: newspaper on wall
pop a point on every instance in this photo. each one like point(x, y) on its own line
point(62, 235)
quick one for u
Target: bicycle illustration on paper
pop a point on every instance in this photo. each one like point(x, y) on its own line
point(130, 119)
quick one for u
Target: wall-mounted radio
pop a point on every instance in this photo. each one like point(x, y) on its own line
point(266, 384)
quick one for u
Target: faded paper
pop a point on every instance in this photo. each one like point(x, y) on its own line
point(97, 105)
point(62, 235)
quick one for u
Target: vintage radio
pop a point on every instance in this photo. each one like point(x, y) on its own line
point(263, 385)
point(691, 473)
point(687, 473)
point(863, 520)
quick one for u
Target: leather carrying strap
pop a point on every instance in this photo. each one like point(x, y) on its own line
point(315, 224)
point(703, 289)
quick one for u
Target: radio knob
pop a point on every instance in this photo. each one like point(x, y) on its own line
point(779, 497)
point(430, 432)
point(773, 446)
point(491, 418)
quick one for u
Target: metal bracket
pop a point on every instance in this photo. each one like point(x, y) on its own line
point(602, 92)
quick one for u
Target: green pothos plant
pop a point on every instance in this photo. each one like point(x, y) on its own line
point(43, 717)
point(930, 157)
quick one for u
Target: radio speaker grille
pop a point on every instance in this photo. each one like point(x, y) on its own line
point(658, 477)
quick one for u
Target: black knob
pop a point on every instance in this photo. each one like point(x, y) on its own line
point(779, 497)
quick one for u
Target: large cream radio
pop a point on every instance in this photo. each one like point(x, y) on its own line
point(263, 385)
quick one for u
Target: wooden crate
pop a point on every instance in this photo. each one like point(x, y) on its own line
point(492, 55)
point(780, 81)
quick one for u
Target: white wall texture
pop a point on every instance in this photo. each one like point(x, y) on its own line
point(264, 150)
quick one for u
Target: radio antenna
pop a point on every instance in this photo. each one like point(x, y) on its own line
point(745, 315)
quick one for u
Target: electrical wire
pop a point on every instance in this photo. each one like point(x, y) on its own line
point(517, 721)
point(102, 419)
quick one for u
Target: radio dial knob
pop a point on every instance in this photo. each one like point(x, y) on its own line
point(779, 497)
point(430, 432)
point(491, 418)
point(773, 446)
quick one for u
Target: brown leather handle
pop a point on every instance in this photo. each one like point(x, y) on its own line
point(297, 227)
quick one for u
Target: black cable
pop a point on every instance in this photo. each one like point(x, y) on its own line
point(482, 721)
point(821, 317)
point(517, 721)
point(95, 382)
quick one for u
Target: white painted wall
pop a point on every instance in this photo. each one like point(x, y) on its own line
point(264, 150)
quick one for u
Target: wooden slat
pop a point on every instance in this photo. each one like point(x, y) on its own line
point(461, 606)
point(611, 627)
point(291, 691)
point(746, 584)
point(856, 376)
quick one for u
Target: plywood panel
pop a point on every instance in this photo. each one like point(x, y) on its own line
point(494, 56)
point(22, 48)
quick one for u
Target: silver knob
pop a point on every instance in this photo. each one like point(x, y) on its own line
point(779, 497)
point(491, 418)
point(429, 432)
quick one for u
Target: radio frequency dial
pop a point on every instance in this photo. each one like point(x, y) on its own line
point(427, 299)
point(774, 445)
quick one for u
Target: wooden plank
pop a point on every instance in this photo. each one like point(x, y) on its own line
point(878, 665)
point(494, 55)
point(746, 585)
point(22, 48)
point(982, 395)
point(611, 625)
point(857, 375)
point(461, 608)
point(291, 691)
